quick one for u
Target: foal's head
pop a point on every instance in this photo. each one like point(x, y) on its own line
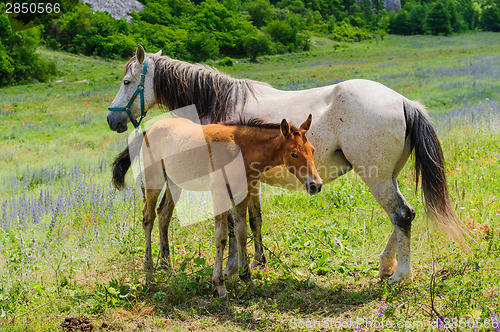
point(298, 155)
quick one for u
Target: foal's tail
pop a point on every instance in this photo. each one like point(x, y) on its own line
point(429, 163)
point(124, 160)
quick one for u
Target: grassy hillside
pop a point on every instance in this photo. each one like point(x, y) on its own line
point(71, 245)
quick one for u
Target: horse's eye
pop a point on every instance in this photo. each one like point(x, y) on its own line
point(126, 82)
point(294, 155)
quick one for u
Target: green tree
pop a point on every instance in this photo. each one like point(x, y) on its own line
point(202, 46)
point(257, 45)
point(469, 14)
point(260, 12)
point(282, 32)
point(437, 21)
point(417, 18)
point(490, 19)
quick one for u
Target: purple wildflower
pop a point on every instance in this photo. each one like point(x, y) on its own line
point(495, 321)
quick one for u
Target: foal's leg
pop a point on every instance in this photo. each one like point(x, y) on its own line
point(148, 220)
point(232, 258)
point(165, 211)
point(220, 235)
point(241, 233)
point(255, 220)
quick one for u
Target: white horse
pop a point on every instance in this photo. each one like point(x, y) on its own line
point(360, 125)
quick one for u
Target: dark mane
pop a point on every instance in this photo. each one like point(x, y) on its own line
point(215, 95)
point(256, 123)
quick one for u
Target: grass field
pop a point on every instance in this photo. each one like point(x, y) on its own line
point(71, 245)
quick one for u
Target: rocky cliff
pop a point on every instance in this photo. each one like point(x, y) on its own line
point(117, 8)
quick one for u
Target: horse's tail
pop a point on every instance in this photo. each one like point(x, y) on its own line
point(124, 160)
point(429, 164)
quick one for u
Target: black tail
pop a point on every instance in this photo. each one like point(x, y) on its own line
point(429, 164)
point(124, 160)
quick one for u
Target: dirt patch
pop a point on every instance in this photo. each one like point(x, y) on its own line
point(80, 323)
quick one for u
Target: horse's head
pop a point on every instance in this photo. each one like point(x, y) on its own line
point(298, 155)
point(136, 94)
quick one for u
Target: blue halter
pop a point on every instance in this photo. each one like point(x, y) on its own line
point(139, 91)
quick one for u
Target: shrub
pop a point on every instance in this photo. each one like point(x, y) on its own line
point(226, 62)
point(347, 33)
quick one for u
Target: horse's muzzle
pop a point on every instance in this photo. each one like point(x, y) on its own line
point(116, 122)
point(313, 187)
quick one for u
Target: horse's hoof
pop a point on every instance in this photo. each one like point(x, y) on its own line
point(387, 268)
point(400, 277)
point(386, 273)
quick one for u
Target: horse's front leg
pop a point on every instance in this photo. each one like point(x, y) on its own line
point(220, 236)
point(241, 233)
point(148, 220)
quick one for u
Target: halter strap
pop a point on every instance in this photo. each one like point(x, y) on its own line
point(139, 91)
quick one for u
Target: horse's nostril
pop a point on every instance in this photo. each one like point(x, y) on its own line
point(312, 187)
point(107, 120)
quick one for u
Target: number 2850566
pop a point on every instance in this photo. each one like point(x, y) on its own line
point(32, 8)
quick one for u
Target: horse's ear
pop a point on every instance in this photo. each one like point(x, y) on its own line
point(158, 53)
point(140, 54)
point(285, 128)
point(307, 124)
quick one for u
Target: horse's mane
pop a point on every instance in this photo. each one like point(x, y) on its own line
point(256, 123)
point(178, 84)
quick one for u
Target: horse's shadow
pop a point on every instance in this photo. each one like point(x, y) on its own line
point(279, 302)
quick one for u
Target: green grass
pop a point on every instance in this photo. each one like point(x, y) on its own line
point(322, 251)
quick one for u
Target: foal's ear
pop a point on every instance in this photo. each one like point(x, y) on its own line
point(158, 53)
point(285, 128)
point(140, 54)
point(307, 124)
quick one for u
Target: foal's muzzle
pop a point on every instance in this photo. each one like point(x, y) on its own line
point(313, 187)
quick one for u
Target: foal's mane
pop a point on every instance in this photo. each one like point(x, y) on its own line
point(178, 84)
point(256, 123)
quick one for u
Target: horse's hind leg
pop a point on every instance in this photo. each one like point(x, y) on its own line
point(148, 220)
point(165, 211)
point(401, 214)
point(255, 220)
